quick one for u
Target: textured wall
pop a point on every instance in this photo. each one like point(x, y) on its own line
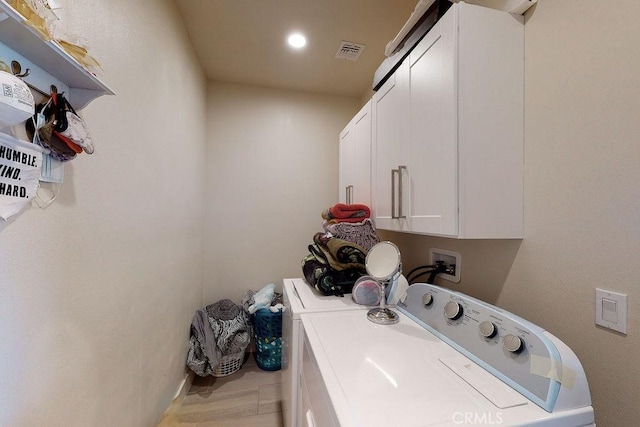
point(97, 291)
point(272, 168)
point(582, 209)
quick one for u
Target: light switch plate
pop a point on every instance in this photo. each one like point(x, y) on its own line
point(611, 310)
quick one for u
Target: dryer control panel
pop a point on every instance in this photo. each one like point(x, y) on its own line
point(519, 353)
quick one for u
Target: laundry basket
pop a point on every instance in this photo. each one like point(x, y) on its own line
point(267, 332)
point(220, 335)
point(229, 364)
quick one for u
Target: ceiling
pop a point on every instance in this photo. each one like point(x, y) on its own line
point(244, 41)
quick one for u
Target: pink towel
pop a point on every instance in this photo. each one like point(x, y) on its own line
point(347, 213)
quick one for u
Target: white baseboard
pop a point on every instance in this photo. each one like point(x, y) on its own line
point(183, 388)
point(169, 416)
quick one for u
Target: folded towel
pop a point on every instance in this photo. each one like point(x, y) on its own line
point(347, 213)
point(342, 211)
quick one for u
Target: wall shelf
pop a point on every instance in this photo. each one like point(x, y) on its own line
point(47, 59)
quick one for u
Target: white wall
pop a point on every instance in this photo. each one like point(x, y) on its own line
point(272, 168)
point(582, 203)
point(97, 291)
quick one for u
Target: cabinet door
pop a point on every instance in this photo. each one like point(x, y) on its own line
point(433, 165)
point(346, 160)
point(490, 123)
point(355, 159)
point(361, 160)
point(389, 136)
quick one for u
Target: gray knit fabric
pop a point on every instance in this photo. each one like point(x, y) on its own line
point(204, 355)
point(362, 233)
point(224, 309)
point(229, 326)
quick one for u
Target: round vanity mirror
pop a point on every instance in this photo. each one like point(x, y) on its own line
point(383, 264)
point(383, 261)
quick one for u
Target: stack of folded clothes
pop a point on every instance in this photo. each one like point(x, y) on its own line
point(351, 223)
point(333, 265)
point(337, 256)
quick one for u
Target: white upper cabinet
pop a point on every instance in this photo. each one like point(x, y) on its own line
point(451, 134)
point(390, 114)
point(355, 159)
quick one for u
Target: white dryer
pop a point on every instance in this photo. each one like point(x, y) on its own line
point(299, 297)
point(451, 360)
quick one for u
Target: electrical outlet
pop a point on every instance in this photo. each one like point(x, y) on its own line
point(450, 258)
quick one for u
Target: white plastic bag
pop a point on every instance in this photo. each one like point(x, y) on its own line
point(20, 164)
point(16, 100)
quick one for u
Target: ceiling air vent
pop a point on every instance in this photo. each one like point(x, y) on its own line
point(349, 50)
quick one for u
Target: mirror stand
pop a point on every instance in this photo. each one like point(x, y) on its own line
point(382, 315)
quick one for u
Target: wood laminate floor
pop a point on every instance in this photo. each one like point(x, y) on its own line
point(249, 397)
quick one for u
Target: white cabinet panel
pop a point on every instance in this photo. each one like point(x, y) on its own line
point(433, 149)
point(389, 151)
point(361, 192)
point(346, 154)
point(490, 123)
point(355, 159)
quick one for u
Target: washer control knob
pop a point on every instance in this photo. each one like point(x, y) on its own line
point(427, 299)
point(513, 343)
point(452, 310)
point(488, 329)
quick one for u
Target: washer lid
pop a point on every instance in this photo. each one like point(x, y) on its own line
point(404, 375)
point(310, 300)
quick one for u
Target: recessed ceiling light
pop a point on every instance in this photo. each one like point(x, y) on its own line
point(297, 40)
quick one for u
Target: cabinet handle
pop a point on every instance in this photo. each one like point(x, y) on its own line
point(349, 194)
point(393, 193)
point(400, 169)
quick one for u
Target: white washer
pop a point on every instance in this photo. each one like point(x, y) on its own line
point(299, 297)
point(451, 360)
